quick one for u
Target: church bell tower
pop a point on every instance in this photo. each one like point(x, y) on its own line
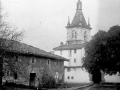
point(78, 31)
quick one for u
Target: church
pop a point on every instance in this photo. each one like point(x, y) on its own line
point(78, 34)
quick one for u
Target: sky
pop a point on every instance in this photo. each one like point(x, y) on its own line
point(44, 21)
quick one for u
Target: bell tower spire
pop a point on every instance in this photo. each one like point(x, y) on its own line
point(89, 22)
point(68, 24)
point(79, 5)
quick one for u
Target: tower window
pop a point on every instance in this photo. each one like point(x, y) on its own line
point(74, 34)
point(74, 50)
point(70, 54)
point(85, 35)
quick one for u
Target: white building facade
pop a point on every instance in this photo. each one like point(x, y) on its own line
point(78, 34)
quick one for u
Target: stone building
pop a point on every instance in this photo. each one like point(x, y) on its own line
point(32, 63)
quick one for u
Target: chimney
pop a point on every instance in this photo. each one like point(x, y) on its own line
point(61, 43)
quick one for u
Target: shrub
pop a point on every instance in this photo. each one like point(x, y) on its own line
point(47, 81)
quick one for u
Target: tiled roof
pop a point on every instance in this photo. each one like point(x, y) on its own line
point(70, 47)
point(22, 48)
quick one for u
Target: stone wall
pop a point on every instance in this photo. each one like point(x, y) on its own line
point(37, 65)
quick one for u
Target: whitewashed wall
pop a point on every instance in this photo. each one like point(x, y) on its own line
point(113, 78)
point(79, 76)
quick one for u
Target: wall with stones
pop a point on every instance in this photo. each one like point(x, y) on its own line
point(38, 65)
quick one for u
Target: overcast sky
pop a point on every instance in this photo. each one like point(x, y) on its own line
point(44, 21)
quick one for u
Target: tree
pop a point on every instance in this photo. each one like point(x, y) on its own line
point(8, 36)
point(103, 52)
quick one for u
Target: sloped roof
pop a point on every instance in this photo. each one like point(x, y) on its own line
point(18, 47)
point(79, 18)
point(70, 47)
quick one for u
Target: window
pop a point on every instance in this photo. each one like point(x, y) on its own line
point(8, 73)
point(15, 75)
point(16, 57)
point(68, 69)
point(68, 77)
point(85, 35)
point(48, 61)
point(33, 61)
point(60, 52)
point(70, 53)
point(75, 51)
point(57, 63)
point(74, 60)
point(74, 34)
point(72, 77)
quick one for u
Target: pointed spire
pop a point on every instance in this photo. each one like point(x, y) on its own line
point(68, 24)
point(88, 21)
point(79, 5)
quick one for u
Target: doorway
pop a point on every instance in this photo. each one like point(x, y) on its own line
point(32, 79)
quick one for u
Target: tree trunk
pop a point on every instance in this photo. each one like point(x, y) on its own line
point(1, 70)
point(96, 77)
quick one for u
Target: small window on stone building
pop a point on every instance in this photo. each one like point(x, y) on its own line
point(72, 77)
point(15, 75)
point(48, 61)
point(16, 57)
point(57, 63)
point(33, 60)
point(8, 73)
point(68, 77)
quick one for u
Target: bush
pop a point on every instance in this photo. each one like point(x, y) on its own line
point(47, 82)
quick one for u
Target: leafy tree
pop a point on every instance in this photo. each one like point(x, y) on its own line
point(103, 52)
point(8, 36)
